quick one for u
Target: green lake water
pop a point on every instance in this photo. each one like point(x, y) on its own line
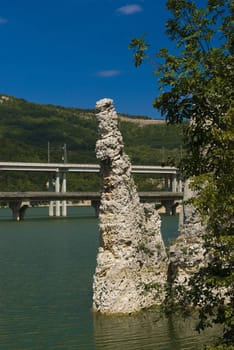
point(46, 270)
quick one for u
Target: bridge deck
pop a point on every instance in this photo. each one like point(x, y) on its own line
point(47, 196)
point(70, 167)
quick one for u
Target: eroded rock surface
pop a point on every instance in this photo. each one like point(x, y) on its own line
point(132, 263)
point(186, 255)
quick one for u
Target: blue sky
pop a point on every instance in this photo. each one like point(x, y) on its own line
point(74, 52)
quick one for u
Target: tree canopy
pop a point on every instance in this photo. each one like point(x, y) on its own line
point(196, 84)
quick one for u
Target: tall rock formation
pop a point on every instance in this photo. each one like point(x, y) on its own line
point(132, 263)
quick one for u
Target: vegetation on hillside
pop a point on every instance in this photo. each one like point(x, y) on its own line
point(27, 128)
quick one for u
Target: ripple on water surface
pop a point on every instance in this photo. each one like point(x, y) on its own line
point(147, 330)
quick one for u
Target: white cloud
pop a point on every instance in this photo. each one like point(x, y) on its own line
point(3, 20)
point(129, 9)
point(108, 73)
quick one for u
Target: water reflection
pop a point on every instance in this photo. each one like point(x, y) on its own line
point(148, 330)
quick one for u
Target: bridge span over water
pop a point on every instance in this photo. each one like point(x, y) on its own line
point(16, 200)
point(19, 201)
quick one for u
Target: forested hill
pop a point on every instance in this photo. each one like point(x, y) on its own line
point(26, 128)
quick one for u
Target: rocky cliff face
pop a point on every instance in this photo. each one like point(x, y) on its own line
point(132, 263)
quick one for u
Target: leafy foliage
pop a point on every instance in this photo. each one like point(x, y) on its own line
point(197, 85)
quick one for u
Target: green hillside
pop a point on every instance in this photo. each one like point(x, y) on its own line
point(26, 128)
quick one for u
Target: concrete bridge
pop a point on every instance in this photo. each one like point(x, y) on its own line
point(19, 201)
point(72, 168)
point(173, 186)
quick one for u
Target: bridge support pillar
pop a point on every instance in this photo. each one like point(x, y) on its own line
point(166, 182)
point(64, 189)
point(57, 189)
point(96, 204)
point(170, 207)
point(18, 209)
point(51, 208)
point(51, 203)
point(60, 207)
point(173, 183)
point(180, 189)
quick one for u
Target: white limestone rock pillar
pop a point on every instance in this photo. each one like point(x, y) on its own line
point(131, 267)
